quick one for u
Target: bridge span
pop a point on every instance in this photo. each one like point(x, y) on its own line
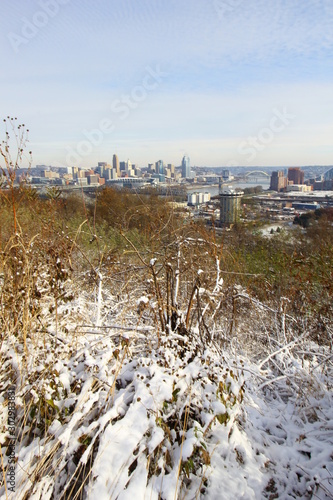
point(257, 173)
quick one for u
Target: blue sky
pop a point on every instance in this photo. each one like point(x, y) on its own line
point(228, 82)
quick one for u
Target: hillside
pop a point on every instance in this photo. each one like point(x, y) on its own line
point(144, 356)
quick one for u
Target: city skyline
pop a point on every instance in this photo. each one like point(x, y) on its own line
point(228, 81)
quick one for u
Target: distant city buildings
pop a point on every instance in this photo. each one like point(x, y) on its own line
point(114, 173)
point(102, 168)
point(293, 182)
point(119, 173)
point(49, 174)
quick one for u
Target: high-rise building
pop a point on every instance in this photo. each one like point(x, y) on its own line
point(159, 167)
point(102, 165)
point(295, 175)
point(278, 181)
point(130, 169)
point(171, 170)
point(115, 164)
point(230, 204)
point(186, 169)
point(107, 174)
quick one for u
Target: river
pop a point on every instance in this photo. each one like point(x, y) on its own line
point(214, 189)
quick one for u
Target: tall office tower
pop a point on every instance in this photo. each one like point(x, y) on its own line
point(186, 169)
point(122, 165)
point(107, 174)
point(168, 171)
point(295, 175)
point(159, 167)
point(102, 165)
point(115, 164)
point(100, 170)
point(171, 169)
point(278, 181)
point(230, 204)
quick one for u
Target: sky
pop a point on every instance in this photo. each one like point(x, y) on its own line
point(227, 82)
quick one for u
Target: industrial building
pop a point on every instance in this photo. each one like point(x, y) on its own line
point(195, 199)
point(230, 204)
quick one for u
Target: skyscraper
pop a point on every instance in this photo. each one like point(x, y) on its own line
point(115, 164)
point(278, 181)
point(171, 170)
point(102, 165)
point(186, 169)
point(295, 175)
point(159, 167)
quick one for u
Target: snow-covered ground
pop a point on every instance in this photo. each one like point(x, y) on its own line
point(121, 411)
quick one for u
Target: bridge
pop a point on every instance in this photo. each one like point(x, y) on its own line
point(257, 173)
